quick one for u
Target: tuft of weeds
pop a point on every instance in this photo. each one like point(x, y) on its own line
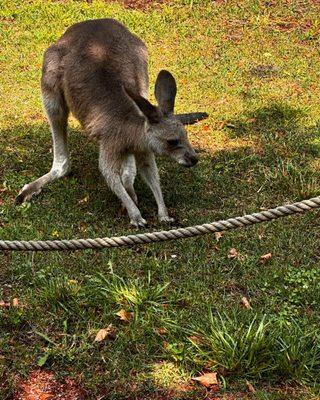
point(259, 348)
point(58, 291)
point(135, 293)
point(297, 354)
point(236, 347)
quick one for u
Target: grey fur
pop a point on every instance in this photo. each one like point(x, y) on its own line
point(98, 70)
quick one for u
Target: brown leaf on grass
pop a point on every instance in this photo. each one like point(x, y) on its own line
point(15, 302)
point(208, 379)
point(105, 333)
point(124, 315)
point(83, 226)
point(218, 235)
point(250, 387)
point(263, 259)
point(196, 339)
point(221, 125)
point(251, 120)
point(245, 303)
point(232, 253)
point(84, 200)
point(160, 331)
point(4, 304)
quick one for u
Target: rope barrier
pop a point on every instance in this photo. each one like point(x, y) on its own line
point(154, 237)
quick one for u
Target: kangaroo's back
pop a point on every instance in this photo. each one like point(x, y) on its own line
point(90, 64)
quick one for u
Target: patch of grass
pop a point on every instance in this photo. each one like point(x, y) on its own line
point(132, 293)
point(254, 67)
point(281, 350)
point(238, 348)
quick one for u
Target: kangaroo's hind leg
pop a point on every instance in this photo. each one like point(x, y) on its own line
point(57, 112)
point(58, 116)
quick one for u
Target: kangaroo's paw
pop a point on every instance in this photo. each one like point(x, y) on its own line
point(26, 194)
point(166, 219)
point(138, 222)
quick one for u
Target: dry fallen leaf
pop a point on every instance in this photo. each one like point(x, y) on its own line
point(232, 253)
point(160, 331)
point(45, 396)
point(245, 303)
point(208, 379)
point(221, 125)
point(124, 315)
point(263, 259)
point(105, 333)
point(83, 227)
point(195, 339)
point(218, 235)
point(84, 200)
point(250, 388)
point(4, 304)
point(15, 302)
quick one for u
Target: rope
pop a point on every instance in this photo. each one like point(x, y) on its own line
point(153, 237)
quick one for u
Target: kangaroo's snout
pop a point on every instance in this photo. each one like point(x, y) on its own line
point(193, 160)
point(188, 160)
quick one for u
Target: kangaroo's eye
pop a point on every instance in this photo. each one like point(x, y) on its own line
point(173, 142)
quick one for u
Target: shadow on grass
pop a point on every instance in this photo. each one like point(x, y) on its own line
point(277, 129)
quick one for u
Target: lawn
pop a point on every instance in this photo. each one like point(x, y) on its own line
point(254, 66)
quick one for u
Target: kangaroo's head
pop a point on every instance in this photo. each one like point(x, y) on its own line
point(165, 131)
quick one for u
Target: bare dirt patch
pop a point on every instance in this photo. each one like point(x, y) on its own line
point(141, 4)
point(137, 4)
point(42, 385)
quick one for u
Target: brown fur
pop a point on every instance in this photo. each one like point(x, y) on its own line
point(98, 70)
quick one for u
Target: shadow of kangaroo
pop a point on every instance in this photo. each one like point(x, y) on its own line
point(98, 70)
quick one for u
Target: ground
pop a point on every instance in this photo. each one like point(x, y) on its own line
point(191, 307)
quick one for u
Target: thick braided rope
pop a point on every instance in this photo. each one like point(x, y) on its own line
point(152, 237)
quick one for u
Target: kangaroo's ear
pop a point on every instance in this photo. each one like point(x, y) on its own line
point(165, 91)
point(191, 118)
point(149, 110)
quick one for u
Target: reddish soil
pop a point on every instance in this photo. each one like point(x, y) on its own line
point(137, 4)
point(42, 385)
point(141, 4)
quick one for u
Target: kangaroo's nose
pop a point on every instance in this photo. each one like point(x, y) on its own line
point(193, 160)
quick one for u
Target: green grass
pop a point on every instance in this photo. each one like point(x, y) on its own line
point(255, 68)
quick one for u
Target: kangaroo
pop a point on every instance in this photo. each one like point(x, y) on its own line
point(98, 70)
